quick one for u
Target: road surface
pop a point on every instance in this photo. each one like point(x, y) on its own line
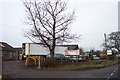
point(17, 70)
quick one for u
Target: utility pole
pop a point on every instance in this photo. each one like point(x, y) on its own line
point(1, 63)
point(105, 41)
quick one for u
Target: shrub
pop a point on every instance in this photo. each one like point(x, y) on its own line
point(50, 63)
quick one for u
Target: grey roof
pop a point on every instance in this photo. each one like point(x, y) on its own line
point(71, 47)
point(6, 47)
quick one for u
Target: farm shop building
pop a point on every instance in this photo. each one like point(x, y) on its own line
point(38, 49)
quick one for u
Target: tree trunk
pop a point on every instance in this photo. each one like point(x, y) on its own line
point(119, 51)
point(54, 40)
point(52, 54)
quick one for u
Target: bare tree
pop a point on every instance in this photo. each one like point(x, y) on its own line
point(50, 23)
point(113, 41)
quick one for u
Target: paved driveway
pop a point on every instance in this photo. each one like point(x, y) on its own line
point(15, 69)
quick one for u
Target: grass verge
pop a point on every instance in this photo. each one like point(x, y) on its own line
point(85, 65)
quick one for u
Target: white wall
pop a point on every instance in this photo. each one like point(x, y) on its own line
point(37, 49)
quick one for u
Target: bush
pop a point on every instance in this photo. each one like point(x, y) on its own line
point(87, 65)
point(50, 63)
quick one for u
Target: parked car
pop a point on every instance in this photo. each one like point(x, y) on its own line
point(75, 58)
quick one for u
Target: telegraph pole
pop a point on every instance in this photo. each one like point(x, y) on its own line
point(0, 63)
point(105, 41)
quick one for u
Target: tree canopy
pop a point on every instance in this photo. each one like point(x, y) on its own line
point(113, 41)
point(50, 23)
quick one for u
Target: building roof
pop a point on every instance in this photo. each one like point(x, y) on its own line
point(71, 47)
point(6, 47)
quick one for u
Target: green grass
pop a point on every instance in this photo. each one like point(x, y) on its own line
point(85, 65)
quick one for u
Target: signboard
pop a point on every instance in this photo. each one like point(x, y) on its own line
point(37, 49)
point(109, 52)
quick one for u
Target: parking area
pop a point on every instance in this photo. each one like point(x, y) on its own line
point(17, 69)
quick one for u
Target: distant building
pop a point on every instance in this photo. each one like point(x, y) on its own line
point(88, 53)
point(18, 53)
point(73, 50)
point(8, 52)
point(71, 47)
point(34, 49)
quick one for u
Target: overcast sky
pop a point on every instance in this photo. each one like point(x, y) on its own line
point(93, 19)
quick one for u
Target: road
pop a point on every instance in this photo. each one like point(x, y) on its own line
point(18, 70)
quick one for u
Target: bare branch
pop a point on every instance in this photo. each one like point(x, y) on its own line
point(113, 40)
point(50, 23)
